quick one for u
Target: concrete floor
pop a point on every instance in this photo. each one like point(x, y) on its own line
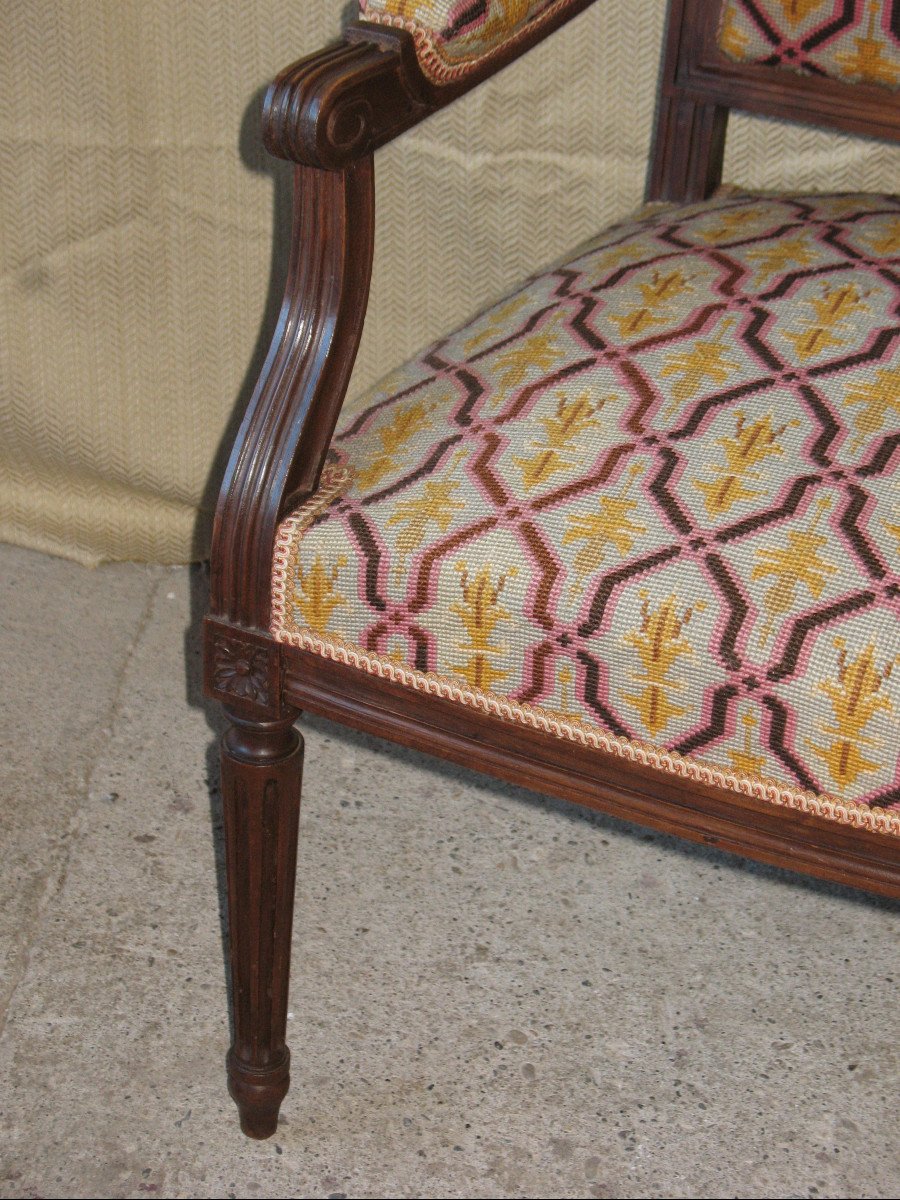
point(494, 994)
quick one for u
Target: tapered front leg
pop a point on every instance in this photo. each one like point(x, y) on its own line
point(261, 774)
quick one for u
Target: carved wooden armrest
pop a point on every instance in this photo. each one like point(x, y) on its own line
point(454, 41)
point(341, 104)
point(328, 113)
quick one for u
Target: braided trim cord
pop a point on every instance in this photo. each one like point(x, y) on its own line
point(434, 62)
point(334, 481)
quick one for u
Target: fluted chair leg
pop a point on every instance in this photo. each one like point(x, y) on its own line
point(261, 776)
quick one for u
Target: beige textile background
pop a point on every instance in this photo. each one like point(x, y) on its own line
point(137, 271)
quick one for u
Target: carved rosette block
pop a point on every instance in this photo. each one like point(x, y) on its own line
point(261, 778)
point(243, 669)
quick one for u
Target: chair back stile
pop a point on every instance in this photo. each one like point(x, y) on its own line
point(759, 56)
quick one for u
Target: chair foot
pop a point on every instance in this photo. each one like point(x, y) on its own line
point(258, 1094)
point(261, 771)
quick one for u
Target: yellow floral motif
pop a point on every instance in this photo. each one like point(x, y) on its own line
point(745, 759)
point(481, 612)
point(867, 61)
point(856, 696)
point(536, 354)
point(752, 444)
point(659, 643)
point(731, 225)
point(832, 310)
point(796, 11)
point(318, 598)
point(571, 419)
point(393, 436)
point(879, 398)
point(616, 255)
point(657, 296)
point(612, 526)
point(732, 38)
point(791, 252)
point(497, 324)
point(705, 361)
point(798, 564)
point(885, 240)
point(435, 504)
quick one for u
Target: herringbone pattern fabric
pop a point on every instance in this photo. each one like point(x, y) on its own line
point(142, 256)
point(857, 41)
point(653, 496)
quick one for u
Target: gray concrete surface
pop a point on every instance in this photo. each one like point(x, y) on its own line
point(494, 994)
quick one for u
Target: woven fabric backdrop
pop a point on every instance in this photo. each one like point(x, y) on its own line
point(137, 270)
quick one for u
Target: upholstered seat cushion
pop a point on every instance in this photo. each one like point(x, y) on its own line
point(650, 502)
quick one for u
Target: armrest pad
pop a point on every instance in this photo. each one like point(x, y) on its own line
point(455, 38)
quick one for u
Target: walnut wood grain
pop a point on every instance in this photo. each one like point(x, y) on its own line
point(332, 108)
point(329, 113)
point(530, 758)
point(261, 770)
point(282, 442)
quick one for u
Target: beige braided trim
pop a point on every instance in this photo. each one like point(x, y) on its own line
point(434, 62)
point(334, 481)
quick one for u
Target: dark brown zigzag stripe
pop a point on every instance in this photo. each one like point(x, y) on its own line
point(737, 606)
point(374, 408)
point(549, 570)
point(542, 384)
point(472, 15)
point(786, 282)
point(695, 325)
point(875, 354)
point(857, 539)
point(759, 520)
point(440, 550)
point(494, 486)
point(474, 392)
point(419, 637)
point(529, 325)
point(629, 268)
point(665, 499)
point(425, 468)
point(830, 427)
point(761, 21)
point(716, 726)
point(537, 674)
point(587, 483)
point(751, 338)
point(805, 625)
point(843, 21)
point(592, 699)
point(735, 271)
point(609, 582)
point(880, 458)
point(717, 401)
point(777, 732)
point(372, 554)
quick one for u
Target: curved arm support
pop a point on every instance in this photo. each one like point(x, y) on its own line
point(330, 109)
point(284, 437)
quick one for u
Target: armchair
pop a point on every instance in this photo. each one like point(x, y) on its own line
point(630, 537)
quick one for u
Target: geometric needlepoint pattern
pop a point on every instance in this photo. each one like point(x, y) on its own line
point(857, 41)
point(452, 37)
point(649, 502)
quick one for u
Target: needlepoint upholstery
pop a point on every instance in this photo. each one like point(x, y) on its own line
point(857, 41)
point(648, 503)
point(454, 36)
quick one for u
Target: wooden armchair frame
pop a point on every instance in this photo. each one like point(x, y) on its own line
point(328, 114)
